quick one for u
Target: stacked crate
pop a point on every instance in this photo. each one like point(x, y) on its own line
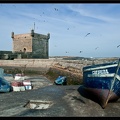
point(27, 84)
point(18, 86)
point(19, 77)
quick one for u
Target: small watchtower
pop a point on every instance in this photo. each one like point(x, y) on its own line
point(32, 44)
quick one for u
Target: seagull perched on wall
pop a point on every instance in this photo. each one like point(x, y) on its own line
point(87, 34)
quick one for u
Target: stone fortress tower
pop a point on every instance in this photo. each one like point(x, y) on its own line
point(31, 45)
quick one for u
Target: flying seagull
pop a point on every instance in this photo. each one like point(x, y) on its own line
point(96, 48)
point(14, 5)
point(80, 51)
point(118, 46)
point(87, 34)
point(56, 9)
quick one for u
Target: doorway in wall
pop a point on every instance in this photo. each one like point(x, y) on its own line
point(24, 50)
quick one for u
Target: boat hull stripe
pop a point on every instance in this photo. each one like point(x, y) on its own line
point(102, 67)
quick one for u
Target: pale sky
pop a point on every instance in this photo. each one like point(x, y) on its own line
point(81, 29)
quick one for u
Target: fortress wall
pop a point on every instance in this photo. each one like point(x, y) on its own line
point(22, 41)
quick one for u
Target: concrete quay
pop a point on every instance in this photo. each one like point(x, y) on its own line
point(66, 101)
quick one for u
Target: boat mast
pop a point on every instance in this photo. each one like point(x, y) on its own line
point(112, 84)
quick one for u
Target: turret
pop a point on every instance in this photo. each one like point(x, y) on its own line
point(12, 35)
point(32, 33)
point(48, 35)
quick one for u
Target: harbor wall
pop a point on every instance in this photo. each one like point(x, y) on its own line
point(51, 68)
point(45, 64)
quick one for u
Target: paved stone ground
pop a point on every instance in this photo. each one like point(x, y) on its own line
point(67, 101)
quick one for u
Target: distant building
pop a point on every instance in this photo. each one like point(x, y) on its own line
point(33, 45)
point(30, 45)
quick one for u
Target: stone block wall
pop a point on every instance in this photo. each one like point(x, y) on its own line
point(21, 42)
point(5, 54)
point(70, 65)
point(40, 45)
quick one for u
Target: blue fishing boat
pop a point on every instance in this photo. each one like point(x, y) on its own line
point(61, 80)
point(4, 84)
point(103, 81)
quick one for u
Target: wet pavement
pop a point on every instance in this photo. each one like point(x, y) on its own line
point(66, 101)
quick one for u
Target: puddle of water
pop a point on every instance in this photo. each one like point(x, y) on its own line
point(38, 104)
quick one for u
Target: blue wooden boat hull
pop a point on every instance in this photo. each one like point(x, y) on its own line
point(4, 86)
point(103, 81)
